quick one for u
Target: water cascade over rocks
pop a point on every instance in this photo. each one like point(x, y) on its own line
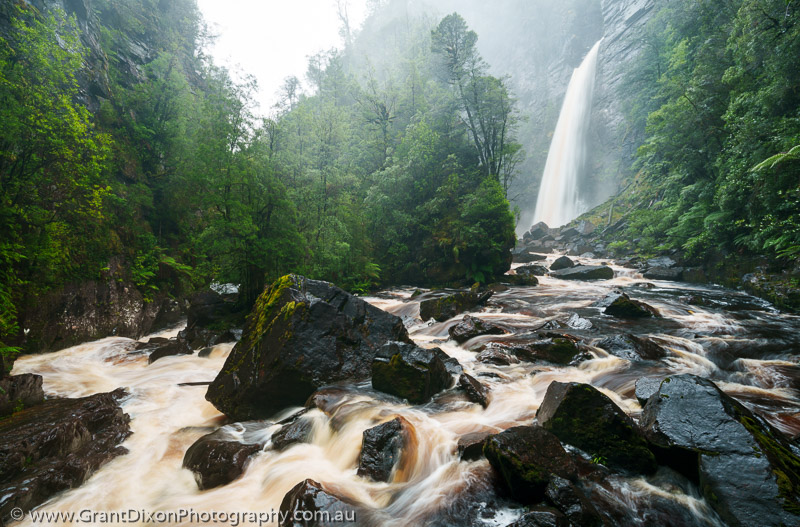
point(683, 402)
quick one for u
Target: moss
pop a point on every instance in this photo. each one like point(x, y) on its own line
point(785, 464)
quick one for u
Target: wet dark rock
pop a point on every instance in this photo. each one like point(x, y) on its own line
point(476, 391)
point(470, 446)
point(580, 415)
point(496, 354)
point(632, 348)
point(200, 337)
point(646, 387)
point(556, 348)
point(585, 272)
point(748, 471)
point(217, 458)
point(471, 327)
point(208, 307)
point(313, 500)
point(56, 445)
point(85, 311)
point(297, 431)
point(18, 392)
point(382, 447)
point(674, 274)
point(301, 335)
point(571, 501)
point(526, 458)
point(172, 347)
point(451, 364)
point(523, 255)
point(410, 372)
point(446, 307)
point(623, 306)
point(527, 270)
point(542, 517)
point(563, 262)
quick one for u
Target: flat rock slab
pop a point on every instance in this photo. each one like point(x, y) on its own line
point(585, 272)
point(748, 471)
point(57, 445)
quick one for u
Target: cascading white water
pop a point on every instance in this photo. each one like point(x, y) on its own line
point(558, 201)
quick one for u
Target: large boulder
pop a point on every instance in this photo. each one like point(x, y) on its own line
point(382, 447)
point(410, 372)
point(218, 458)
point(632, 348)
point(471, 327)
point(620, 305)
point(585, 272)
point(563, 262)
point(580, 415)
point(748, 471)
point(301, 335)
point(57, 445)
point(309, 503)
point(537, 231)
point(446, 307)
point(20, 391)
point(526, 458)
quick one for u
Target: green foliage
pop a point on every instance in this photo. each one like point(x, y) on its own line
point(382, 175)
point(716, 85)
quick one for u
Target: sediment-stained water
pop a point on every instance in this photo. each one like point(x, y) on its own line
point(744, 345)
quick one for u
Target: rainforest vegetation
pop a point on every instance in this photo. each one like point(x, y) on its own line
point(390, 172)
point(717, 90)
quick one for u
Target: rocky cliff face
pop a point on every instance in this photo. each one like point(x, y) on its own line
point(614, 139)
point(539, 44)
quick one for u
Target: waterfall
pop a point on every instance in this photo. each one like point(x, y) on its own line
point(558, 201)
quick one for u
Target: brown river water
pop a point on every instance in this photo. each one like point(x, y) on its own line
point(744, 345)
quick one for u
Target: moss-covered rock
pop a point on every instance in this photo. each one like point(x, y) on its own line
point(582, 416)
point(526, 458)
point(747, 469)
point(410, 372)
point(301, 335)
point(446, 307)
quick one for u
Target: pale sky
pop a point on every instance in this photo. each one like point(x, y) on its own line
point(271, 39)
